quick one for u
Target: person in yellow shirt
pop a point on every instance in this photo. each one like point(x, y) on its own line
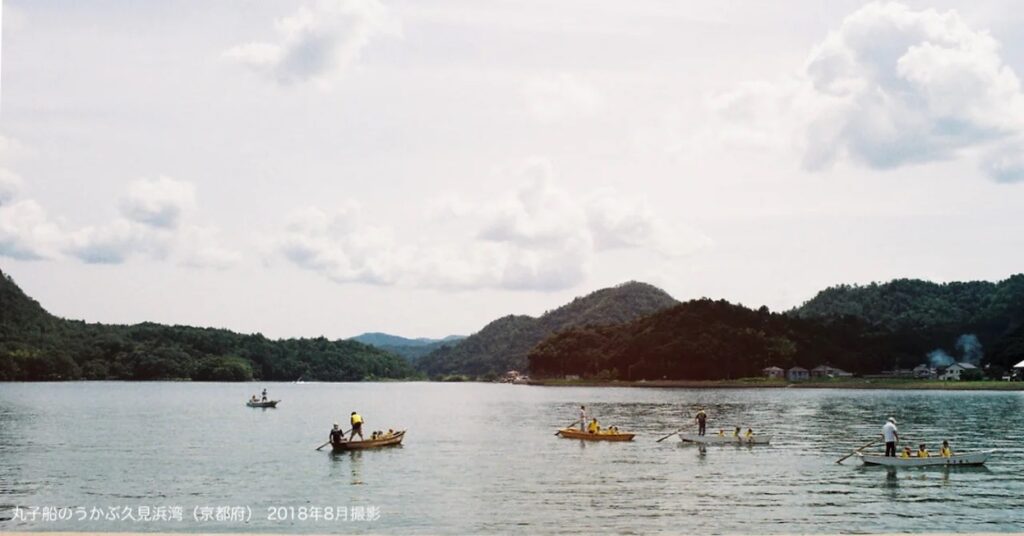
point(945, 451)
point(749, 435)
point(736, 432)
point(721, 433)
point(357, 426)
point(922, 452)
point(906, 453)
point(593, 427)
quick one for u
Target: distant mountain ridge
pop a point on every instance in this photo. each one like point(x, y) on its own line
point(376, 338)
point(410, 349)
point(504, 344)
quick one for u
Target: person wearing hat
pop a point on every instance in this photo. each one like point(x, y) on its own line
point(702, 422)
point(337, 435)
point(890, 435)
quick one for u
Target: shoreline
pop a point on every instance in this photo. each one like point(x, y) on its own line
point(874, 384)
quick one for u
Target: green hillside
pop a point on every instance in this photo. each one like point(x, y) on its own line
point(504, 343)
point(35, 345)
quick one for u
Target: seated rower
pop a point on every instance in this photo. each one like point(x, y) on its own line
point(945, 451)
point(736, 432)
point(906, 453)
point(922, 452)
point(750, 434)
point(593, 427)
point(614, 430)
point(721, 433)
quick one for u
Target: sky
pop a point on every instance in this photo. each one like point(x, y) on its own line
point(330, 167)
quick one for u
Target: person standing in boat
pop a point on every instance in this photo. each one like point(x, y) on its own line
point(337, 434)
point(357, 426)
point(702, 422)
point(264, 395)
point(891, 436)
point(583, 418)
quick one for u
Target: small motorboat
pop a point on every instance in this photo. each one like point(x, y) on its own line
point(262, 404)
point(572, 433)
point(962, 459)
point(725, 440)
point(388, 441)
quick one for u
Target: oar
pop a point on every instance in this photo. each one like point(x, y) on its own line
point(328, 442)
point(573, 423)
point(670, 435)
point(866, 445)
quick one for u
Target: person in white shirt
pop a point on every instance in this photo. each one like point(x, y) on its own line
point(583, 418)
point(890, 435)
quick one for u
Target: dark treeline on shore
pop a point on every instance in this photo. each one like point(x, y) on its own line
point(862, 329)
point(37, 346)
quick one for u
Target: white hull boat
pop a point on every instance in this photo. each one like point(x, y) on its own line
point(725, 440)
point(967, 458)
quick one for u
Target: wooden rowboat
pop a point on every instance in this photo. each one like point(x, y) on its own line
point(392, 441)
point(966, 458)
point(725, 440)
point(572, 433)
point(267, 404)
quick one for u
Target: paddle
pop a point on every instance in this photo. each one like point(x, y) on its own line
point(328, 442)
point(670, 435)
point(573, 423)
point(840, 460)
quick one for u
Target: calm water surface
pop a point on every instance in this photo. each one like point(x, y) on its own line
point(481, 458)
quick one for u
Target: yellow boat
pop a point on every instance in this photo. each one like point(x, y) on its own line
point(572, 433)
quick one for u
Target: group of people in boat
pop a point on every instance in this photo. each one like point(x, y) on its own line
point(594, 427)
point(264, 399)
point(701, 419)
point(337, 435)
point(891, 436)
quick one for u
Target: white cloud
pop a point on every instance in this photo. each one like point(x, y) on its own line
point(890, 87)
point(114, 243)
point(340, 246)
point(28, 233)
point(318, 42)
point(537, 237)
point(153, 227)
point(159, 202)
point(561, 97)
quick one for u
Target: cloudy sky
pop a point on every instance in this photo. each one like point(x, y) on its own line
point(338, 166)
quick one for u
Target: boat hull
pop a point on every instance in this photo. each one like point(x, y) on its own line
point(267, 404)
point(725, 440)
point(968, 458)
point(570, 433)
point(392, 441)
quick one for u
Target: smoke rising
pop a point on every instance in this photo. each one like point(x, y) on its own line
point(970, 348)
point(938, 358)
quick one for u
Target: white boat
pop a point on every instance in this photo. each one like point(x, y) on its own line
point(725, 440)
point(966, 458)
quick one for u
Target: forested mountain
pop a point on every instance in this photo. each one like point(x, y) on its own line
point(705, 340)
point(410, 349)
point(915, 304)
point(860, 329)
point(504, 343)
point(35, 345)
point(936, 314)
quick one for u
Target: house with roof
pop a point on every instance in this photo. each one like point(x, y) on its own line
point(1018, 370)
point(797, 374)
point(925, 372)
point(773, 373)
point(954, 371)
